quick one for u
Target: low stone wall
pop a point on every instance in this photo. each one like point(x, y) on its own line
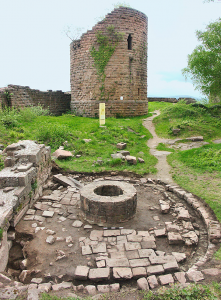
point(116, 108)
point(57, 102)
point(27, 167)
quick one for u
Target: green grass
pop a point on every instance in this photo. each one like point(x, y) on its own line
point(46, 296)
point(192, 292)
point(163, 147)
point(191, 120)
point(70, 131)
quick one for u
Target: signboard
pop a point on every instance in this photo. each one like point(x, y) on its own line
point(102, 113)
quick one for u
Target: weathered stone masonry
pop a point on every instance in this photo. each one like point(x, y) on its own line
point(58, 102)
point(125, 72)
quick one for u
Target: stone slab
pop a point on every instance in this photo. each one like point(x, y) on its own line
point(99, 274)
point(132, 246)
point(118, 262)
point(141, 262)
point(152, 280)
point(81, 272)
point(155, 270)
point(139, 272)
point(122, 273)
point(166, 279)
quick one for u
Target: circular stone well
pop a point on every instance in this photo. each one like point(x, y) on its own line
point(108, 202)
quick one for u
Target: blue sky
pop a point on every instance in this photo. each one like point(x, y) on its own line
point(35, 50)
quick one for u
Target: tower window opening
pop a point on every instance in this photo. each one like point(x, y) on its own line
point(138, 91)
point(129, 42)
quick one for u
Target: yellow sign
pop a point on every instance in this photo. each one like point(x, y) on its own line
point(102, 113)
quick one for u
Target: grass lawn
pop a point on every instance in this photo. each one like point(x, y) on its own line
point(70, 131)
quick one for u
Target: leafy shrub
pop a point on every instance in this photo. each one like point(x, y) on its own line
point(28, 114)
point(53, 135)
point(1, 233)
point(9, 117)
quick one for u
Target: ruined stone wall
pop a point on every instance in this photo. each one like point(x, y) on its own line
point(27, 167)
point(58, 102)
point(125, 72)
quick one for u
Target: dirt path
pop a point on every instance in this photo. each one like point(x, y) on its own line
point(162, 165)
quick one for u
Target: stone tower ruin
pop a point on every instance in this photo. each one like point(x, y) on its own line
point(109, 65)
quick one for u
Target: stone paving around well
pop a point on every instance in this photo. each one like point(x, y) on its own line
point(114, 255)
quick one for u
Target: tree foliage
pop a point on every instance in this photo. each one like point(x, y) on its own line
point(204, 64)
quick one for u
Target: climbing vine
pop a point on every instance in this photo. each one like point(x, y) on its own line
point(102, 51)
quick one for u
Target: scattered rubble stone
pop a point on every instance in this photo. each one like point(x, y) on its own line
point(50, 239)
point(77, 224)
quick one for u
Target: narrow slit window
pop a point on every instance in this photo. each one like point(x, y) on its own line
point(138, 92)
point(129, 42)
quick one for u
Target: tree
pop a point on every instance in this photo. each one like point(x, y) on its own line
point(204, 64)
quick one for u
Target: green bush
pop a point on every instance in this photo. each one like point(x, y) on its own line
point(53, 135)
point(9, 117)
point(28, 114)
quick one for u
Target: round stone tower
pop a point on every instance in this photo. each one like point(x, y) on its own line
point(109, 65)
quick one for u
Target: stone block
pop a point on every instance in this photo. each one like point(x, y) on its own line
point(131, 160)
point(117, 262)
point(62, 286)
point(148, 245)
point(166, 279)
point(171, 266)
point(180, 277)
point(180, 257)
point(175, 238)
point(99, 248)
point(139, 272)
point(195, 276)
point(134, 238)
point(142, 284)
point(104, 288)
point(160, 232)
point(141, 262)
point(132, 254)
point(210, 272)
point(96, 234)
point(81, 272)
point(132, 246)
point(121, 145)
point(122, 273)
point(146, 253)
point(155, 270)
point(114, 287)
point(91, 289)
point(111, 232)
point(153, 283)
point(127, 231)
point(99, 274)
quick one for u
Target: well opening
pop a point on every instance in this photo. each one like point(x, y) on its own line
point(108, 190)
